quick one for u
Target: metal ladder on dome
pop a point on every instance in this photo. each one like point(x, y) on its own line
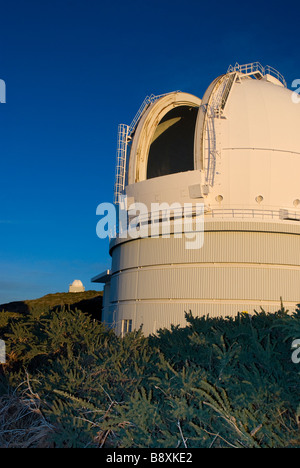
point(121, 162)
point(211, 144)
point(215, 109)
point(125, 134)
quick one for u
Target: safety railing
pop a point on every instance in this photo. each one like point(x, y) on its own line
point(214, 109)
point(121, 162)
point(125, 133)
point(283, 215)
point(177, 215)
point(252, 68)
point(147, 101)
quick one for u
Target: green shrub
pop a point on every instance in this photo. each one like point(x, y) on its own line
point(214, 383)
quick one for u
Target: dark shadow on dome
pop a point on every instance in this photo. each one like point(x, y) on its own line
point(172, 147)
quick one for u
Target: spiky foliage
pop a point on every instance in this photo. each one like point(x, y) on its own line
point(215, 383)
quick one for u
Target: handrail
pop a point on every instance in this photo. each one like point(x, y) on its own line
point(148, 100)
point(176, 214)
point(215, 106)
point(250, 68)
point(125, 133)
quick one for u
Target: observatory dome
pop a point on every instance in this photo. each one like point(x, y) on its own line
point(236, 151)
point(77, 283)
point(257, 147)
point(76, 286)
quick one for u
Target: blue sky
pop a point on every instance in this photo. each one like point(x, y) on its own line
point(74, 70)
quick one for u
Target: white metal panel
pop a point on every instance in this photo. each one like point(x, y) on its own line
point(124, 286)
point(152, 316)
point(244, 282)
point(219, 246)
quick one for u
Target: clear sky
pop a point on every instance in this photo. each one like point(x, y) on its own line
point(74, 70)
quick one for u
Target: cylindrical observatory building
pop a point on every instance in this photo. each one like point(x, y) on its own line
point(237, 151)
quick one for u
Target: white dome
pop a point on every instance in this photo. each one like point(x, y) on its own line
point(76, 286)
point(246, 147)
point(237, 152)
point(77, 283)
point(257, 147)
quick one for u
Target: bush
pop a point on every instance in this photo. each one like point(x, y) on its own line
point(215, 383)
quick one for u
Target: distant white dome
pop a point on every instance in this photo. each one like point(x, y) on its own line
point(77, 283)
point(76, 286)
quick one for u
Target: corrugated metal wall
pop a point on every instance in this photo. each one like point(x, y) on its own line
point(153, 316)
point(207, 282)
point(246, 247)
point(154, 281)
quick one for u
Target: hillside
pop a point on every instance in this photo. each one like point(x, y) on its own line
point(89, 302)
